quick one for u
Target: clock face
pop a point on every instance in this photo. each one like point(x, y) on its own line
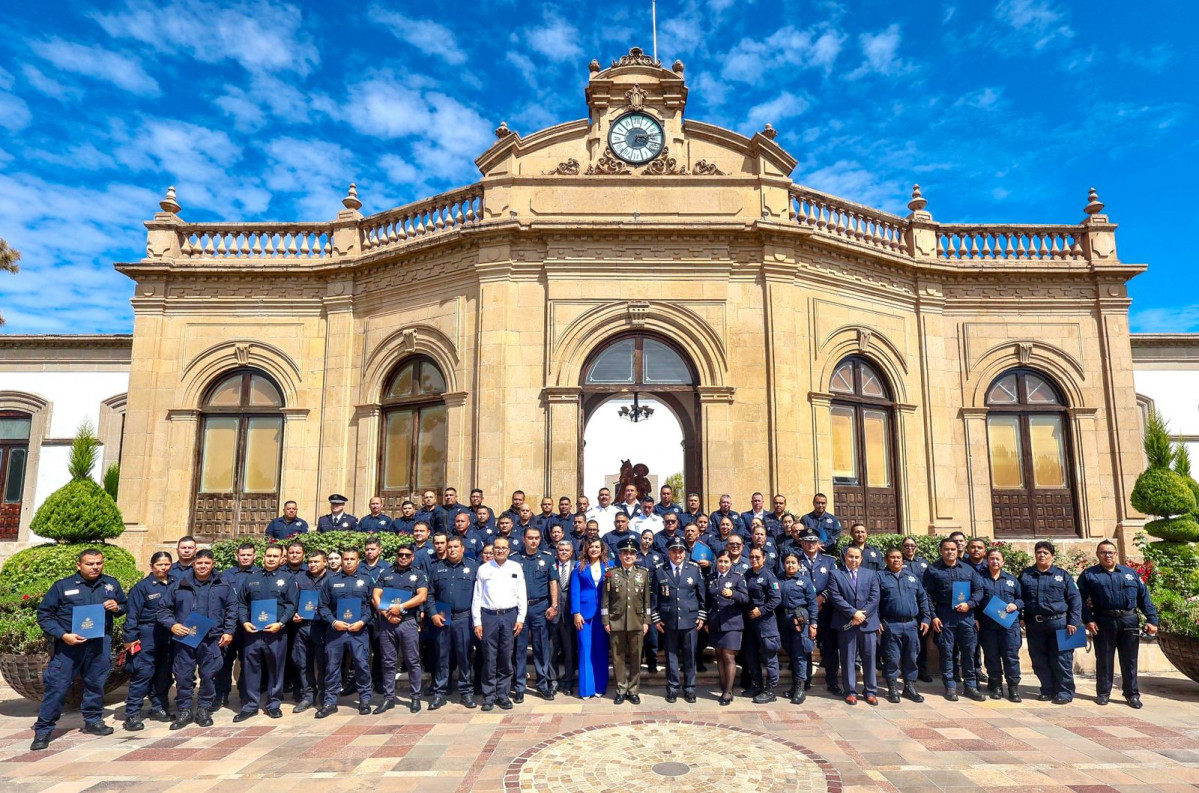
point(636, 138)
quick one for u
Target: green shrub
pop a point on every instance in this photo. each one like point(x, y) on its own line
point(1162, 492)
point(33, 570)
point(84, 448)
point(225, 551)
point(929, 546)
point(19, 631)
point(79, 511)
point(1181, 529)
point(112, 480)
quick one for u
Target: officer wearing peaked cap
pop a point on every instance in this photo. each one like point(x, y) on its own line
point(337, 519)
point(677, 611)
point(625, 611)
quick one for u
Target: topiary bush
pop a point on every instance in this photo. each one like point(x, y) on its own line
point(1160, 491)
point(225, 551)
point(33, 570)
point(78, 511)
point(1180, 529)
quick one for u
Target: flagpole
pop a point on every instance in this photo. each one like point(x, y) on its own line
point(654, 10)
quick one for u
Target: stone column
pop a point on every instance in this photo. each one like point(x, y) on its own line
point(457, 440)
point(717, 432)
point(562, 465)
point(822, 445)
point(978, 471)
point(177, 443)
point(335, 473)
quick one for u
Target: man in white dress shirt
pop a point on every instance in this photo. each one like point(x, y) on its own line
point(497, 613)
point(604, 512)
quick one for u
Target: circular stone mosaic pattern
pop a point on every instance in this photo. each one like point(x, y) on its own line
point(667, 756)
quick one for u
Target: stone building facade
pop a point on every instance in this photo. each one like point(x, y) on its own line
point(927, 376)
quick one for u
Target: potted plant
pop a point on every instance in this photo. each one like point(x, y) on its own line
point(78, 515)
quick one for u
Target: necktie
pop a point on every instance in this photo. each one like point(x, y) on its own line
point(676, 573)
point(853, 580)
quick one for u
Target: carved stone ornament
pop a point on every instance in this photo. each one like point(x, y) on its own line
point(408, 340)
point(637, 312)
point(705, 168)
point(608, 165)
point(502, 130)
point(568, 168)
point(241, 352)
point(664, 165)
point(1024, 352)
point(864, 336)
point(636, 57)
point(636, 97)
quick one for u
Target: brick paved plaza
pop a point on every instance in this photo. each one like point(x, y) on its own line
point(821, 745)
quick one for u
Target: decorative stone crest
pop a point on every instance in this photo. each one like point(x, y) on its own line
point(568, 168)
point(241, 351)
point(608, 165)
point(408, 340)
point(664, 165)
point(864, 336)
point(637, 312)
point(1024, 352)
point(705, 168)
point(636, 57)
point(636, 97)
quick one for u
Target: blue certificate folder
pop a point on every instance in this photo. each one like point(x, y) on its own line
point(961, 592)
point(349, 610)
point(88, 621)
point(444, 609)
point(197, 626)
point(1067, 642)
point(702, 553)
point(308, 601)
point(996, 609)
point(393, 597)
point(264, 612)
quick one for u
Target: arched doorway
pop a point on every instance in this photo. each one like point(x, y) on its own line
point(863, 427)
point(637, 371)
point(240, 453)
point(1028, 443)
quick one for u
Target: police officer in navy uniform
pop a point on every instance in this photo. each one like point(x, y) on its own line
point(1051, 602)
point(689, 515)
point(148, 645)
point(906, 616)
point(452, 583)
point(399, 627)
point(444, 515)
point(797, 615)
point(337, 519)
point(678, 611)
point(347, 583)
point(308, 649)
point(917, 564)
point(819, 567)
point(1001, 646)
point(757, 510)
point(185, 555)
point(824, 523)
point(375, 522)
point(74, 655)
point(472, 546)
point(1111, 595)
point(541, 593)
point(266, 647)
point(953, 621)
point(726, 510)
point(762, 637)
point(406, 520)
point(203, 592)
point(286, 525)
point(236, 651)
point(872, 557)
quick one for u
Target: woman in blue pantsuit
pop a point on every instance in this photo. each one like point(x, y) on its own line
point(586, 604)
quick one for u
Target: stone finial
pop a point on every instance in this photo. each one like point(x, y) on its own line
point(594, 66)
point(351, 200)
point(502, 130)
point(1094, 205)
point(769, 131)
point(677, 68)
point(918, 201)
point(168, 203)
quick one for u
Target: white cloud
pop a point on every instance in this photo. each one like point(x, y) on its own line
point(785, 105)
point(710, 90)
point(318, 171)
point(848, 179)
point(524, 64)
point(14, 113)
point(989, 98)
point(266, 98)
point(1154, 59)
point(680, 35)
point(398, 170)
point(1039, 21)
point(880, 54)
point(98, 63)
point(261, 35)
point(47, 86)
point(1178, 319)
point(557, 39)
point(750, 59)
point(431, 38)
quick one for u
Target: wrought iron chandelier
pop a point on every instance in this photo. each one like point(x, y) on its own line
point(635, 412)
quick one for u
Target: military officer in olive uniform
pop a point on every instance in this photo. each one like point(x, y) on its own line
point(626, 619)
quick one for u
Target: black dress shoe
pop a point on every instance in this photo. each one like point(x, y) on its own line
point(618, 699)
point(1013, 695)
point(96, 728)
point(364, 709)
point(505, 704)
point(182, 719)
point(548, 695)
point(634, 698)
point(1043, 697)
point(994, 693)
point(518, 697)
point(910, 692)
point(385, 706)
point(725, 699)
point(203, 717)
point(689, 699)
point(469, 701)
point(764, 697)
point(274, 713)
point(133, 725)
point(158, 715)
point(951, 694)
point(975, 694)
point(1059, 700)
point(244, 716)
point(799, 696)
point(302, 705)
point(487, 707)
point(326, 710)
point(1134, 702)
point(1102, 699)
point(437, 702)
point(671, 696)
point(414, 705)
point(40, 742)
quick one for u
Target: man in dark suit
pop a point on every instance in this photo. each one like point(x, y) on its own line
point(854, 594)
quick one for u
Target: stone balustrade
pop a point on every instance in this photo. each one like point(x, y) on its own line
point(446, 212)
point(852, 222)
point(256, 241)
point(995, 242)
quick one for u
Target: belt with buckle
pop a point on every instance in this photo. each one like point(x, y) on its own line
point(459, 614)
point(498, 612)
point(535, 601)
point(1115, 612)
point(1048, 617)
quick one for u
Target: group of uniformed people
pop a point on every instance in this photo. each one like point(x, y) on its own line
point(475, 592)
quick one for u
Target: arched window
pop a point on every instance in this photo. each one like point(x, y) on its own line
point(863, 446)
point(240, 451)
point(14, 456)
point(639, 361)
point(413, 447)
point(1027, 435)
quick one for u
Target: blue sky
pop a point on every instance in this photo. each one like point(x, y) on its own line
point(1005, 110)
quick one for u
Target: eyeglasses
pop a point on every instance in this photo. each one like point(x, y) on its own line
point(404, 555)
